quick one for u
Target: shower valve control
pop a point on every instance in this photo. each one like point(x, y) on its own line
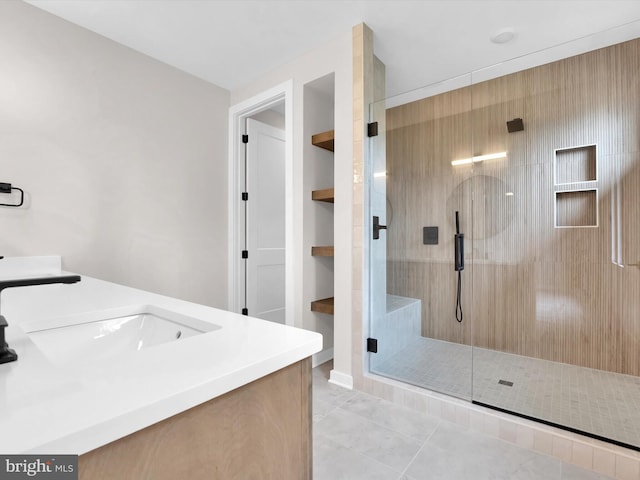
point(377, 227)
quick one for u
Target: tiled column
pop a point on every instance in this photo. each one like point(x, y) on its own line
point(362, 96)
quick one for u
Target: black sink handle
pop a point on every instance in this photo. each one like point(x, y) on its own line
point(7, 354)
point(28, 282)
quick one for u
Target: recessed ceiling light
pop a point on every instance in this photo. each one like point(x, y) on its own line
point(503, 35)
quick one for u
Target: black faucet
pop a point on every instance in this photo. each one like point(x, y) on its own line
point(6, 353)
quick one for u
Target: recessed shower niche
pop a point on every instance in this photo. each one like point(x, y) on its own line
point(575, 165)
point(575, 207)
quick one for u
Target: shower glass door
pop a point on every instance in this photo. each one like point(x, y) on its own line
point(420, 295)
point(527, 300)
point(556, 291)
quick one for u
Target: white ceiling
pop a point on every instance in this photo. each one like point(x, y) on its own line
point(232, 42)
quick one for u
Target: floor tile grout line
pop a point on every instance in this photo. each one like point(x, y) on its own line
point(349, 397)
point(394, 405)
point(424, 444)
point(335, 405)
point(364, 455)
point(399, 434)
point(386, 427)
point(392, 429)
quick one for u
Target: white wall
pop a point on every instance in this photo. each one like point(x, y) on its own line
point(122, 157)
point(334, 56)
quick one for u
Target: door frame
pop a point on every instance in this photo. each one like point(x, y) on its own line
point(237, 115)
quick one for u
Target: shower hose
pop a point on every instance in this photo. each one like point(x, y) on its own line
point(459, 298)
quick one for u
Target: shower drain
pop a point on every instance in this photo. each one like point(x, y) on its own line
point(505, 382)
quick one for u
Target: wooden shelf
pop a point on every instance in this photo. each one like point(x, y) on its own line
point(323, 306)
point(323, 140)
point(326, 251)
point(325, 195)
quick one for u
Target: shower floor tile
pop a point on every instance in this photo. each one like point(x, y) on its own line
point(433, 364)
point(594, 401)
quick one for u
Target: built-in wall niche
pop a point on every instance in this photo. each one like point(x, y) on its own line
point(576, 208)
point(318, 214)
point(575, 165)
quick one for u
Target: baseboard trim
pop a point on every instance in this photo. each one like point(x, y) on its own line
point(341, 379)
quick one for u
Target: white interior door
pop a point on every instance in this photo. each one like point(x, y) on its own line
point(265, 272)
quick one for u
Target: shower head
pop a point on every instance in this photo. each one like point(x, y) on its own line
point(515, 125)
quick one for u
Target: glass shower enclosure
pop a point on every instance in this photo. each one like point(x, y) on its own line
point(506, 271)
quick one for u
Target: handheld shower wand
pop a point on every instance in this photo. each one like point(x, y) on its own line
point(458, 240)
point(459, 246)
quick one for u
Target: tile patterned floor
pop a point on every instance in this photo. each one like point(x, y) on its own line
point(594, 401)
point(358, 436)
point(441, 366)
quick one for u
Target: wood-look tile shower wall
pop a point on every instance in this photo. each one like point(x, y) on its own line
point(564, 294)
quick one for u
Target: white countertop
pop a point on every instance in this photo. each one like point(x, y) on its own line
point(72, 409)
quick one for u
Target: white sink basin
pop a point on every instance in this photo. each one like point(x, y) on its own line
point(112, 333)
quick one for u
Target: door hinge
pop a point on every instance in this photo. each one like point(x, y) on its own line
point(245, 253)
point(372, 345)
point(372, 129)
point(245, 196)
point(245, 138)
point(245, 311)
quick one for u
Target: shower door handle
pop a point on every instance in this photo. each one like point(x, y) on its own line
point(377, 227)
